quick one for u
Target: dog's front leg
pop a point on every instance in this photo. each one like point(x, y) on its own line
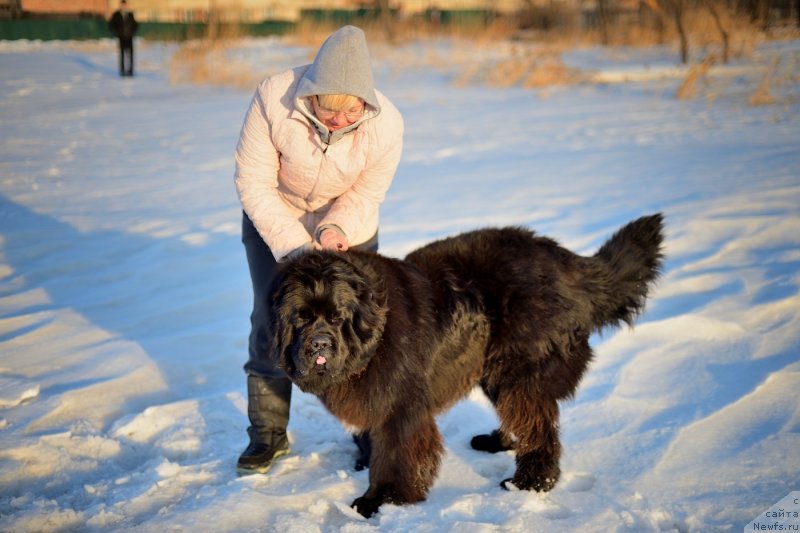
point(404, 463)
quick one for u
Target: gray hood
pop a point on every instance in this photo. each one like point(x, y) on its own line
point(342, 66)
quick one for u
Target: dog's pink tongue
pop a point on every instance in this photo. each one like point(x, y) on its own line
point(321, 360)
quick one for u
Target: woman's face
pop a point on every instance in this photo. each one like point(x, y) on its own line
point(338, 119)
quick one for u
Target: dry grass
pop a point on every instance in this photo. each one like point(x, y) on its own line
point(508, 71)
point(688, 88)
point(763, 95)
point(205, 63)
point(313, 33)
point(542, 68)
point(524, 64)
point(498, 55)
point(552, 71)
point(704, 35)
point(780, 83)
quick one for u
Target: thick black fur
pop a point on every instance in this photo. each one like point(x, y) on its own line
point(386, 344)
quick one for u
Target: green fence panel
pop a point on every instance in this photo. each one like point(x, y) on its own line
point(97, 28)
point(339, 17)
point(48, 30)
point(335, 16)
point(456, 17)
point(171, 31)
point(270, 27)
point(476, 16)
point(81, 29)
point(462, 17)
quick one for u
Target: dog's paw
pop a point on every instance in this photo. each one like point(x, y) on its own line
point(494, 442)
point(366, 507)
point(508, 484)
point(541, 483)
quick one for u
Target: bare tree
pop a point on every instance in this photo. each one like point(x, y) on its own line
point(797, 11)
point(678, 10)
point(724, 35)
point(760, 13)
point(675, 10)
point(604, 20)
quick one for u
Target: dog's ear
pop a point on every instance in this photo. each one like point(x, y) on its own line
point(369, 318)
point(280, 334)
point(279, 328)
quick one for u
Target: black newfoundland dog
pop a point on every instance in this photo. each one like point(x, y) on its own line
point(386, 344)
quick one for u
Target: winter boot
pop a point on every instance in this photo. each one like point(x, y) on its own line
point(268, 409)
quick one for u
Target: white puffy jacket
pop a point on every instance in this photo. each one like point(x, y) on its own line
point(291, 182)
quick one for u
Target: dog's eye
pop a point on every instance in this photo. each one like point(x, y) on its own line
point(337, 319)
point(303, 316)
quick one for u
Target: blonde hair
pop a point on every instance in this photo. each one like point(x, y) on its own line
point(337, 102)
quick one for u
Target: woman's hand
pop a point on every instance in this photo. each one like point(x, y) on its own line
point(333, 239)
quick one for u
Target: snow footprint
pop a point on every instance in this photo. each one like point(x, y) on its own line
point(577, 482)
point(544, 505)
point(497, 467)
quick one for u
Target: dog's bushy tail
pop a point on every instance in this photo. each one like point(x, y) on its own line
point(631, 260)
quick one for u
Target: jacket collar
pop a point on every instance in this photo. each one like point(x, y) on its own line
point(304, 106)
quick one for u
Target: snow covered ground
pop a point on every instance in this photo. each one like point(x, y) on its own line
point(124, 294)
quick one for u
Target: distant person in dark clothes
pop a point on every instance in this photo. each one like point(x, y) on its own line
point(123, 25)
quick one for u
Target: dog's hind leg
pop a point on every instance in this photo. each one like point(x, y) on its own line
point(497, 440)
point(405, 460)
point(533, 419)
point(527, 395)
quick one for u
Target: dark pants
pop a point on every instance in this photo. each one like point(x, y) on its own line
point(262, 267)
point(126, 56)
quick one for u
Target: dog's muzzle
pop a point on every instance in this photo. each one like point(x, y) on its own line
point(321, 350)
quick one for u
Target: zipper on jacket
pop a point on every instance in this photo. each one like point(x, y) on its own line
point(311, 194)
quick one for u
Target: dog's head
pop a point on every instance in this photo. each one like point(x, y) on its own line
point(327, 317)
